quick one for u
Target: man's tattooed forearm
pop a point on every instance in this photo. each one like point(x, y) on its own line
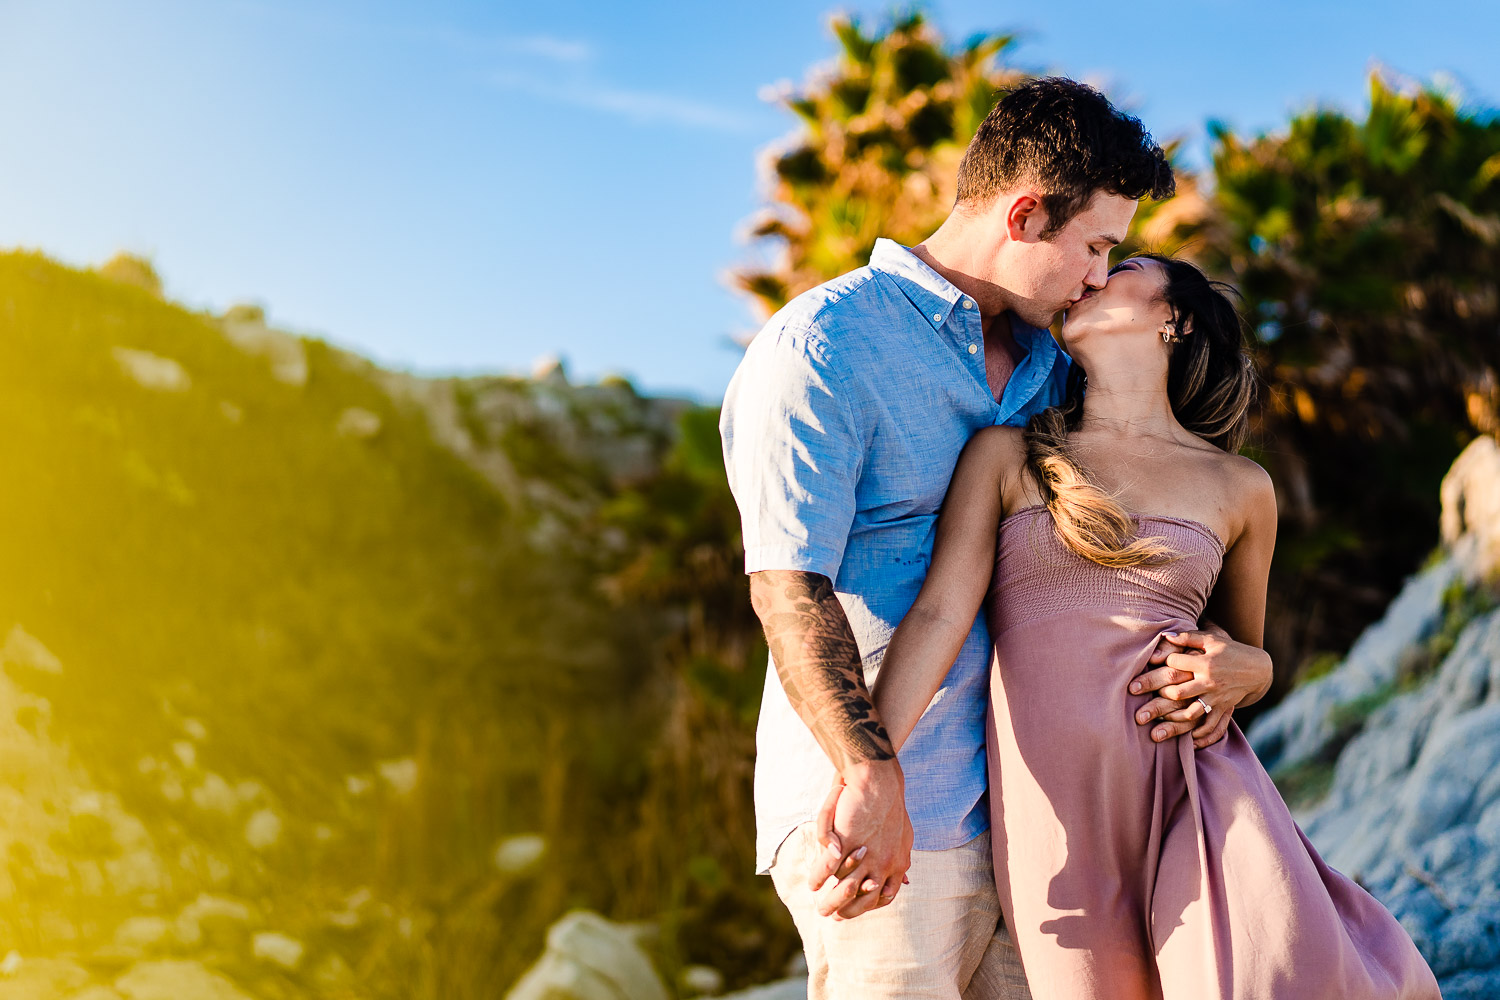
point(819, 665)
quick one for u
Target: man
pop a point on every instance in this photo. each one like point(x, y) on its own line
point(841, 430)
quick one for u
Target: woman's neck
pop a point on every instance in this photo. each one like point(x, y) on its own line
point(1129, 404)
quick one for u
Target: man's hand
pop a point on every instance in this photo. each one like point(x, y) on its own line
point(865, 810)
point(1199, 677)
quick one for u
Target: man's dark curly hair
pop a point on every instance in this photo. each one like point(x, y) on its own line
point(1067, 139)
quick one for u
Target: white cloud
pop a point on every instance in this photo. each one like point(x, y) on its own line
point(641, 106)
point(564, 50)
point(552, 48)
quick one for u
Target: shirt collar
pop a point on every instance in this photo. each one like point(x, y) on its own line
point(936, 296)
point(932, 294)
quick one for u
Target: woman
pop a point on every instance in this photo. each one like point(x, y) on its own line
point(1128, 868)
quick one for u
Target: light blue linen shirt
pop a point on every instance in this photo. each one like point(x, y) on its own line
point(841, 429)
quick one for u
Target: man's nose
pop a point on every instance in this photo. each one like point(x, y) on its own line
point(1098, 274)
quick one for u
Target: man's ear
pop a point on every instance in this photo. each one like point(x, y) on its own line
point(1025, 217)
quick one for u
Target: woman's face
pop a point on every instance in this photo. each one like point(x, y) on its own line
point(1129, 304)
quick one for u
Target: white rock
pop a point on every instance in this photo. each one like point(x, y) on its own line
point(88, 802)
point(215, 795)
point(701, 980)
point(43, 979)
point(170, 979)
point(185, 752)
point(262, 829)
point(401, 774)
point(514, 855)
point(1471, 504)
point(352, 913)
point(1299, 728)
point(195, 729)
point(11, 964)
point(356, 785)
point(220, 918)
point(139, 870)
point(590, 958)
point(25, 650)
point(550, 368)
point(333, 973)
point(279, 949)
point(140, 934)
point(791, 988)
point(358, 423)
point(152, 371)
point(285, 352)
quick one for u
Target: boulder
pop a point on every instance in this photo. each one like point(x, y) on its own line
point(1471, 507)
point(22, 649)
point(41, 979)
point(152, 371)
point(176, 980)
point(590, 958)
point(792, 988)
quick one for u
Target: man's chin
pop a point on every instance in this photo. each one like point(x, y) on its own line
point(1038, 318)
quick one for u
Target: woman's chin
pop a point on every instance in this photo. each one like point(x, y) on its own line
point(1070, 333)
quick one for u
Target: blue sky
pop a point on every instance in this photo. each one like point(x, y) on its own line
point(466, 187)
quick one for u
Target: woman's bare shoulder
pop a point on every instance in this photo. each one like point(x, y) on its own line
point(1007, 441)
point(1251, 490)
point(1001, 449)
point(1250, 477)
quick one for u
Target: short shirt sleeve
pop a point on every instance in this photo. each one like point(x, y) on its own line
point(793, 453)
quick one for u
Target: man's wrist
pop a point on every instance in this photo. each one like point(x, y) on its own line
point(869, 773)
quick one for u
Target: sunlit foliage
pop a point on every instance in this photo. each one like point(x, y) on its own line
point(1368, 251)
point(265, 639)
point(876, 152)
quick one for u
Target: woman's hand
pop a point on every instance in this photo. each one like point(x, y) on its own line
point(1200, 677)
point(845, 884)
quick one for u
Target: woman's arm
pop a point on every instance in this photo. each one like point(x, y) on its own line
point(1238, 602)
point(928, 639)
point(1223, 673)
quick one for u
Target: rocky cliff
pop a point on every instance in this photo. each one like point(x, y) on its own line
point(305, 666)
point(1393, 757)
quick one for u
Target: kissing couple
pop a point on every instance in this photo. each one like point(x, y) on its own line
point(1013, 593)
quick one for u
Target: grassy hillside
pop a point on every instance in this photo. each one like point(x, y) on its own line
point(344, 683)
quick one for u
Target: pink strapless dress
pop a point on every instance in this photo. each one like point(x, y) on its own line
point(1131, 869)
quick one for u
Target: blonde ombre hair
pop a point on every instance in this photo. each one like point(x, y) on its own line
point(1211, 384)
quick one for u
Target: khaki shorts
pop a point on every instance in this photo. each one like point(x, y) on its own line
point(941, 938)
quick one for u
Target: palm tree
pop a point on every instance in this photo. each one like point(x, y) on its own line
point(876, 155)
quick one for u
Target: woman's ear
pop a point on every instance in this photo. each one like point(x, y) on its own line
point(1175, 331)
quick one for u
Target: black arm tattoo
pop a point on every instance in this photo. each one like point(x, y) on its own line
point(818, 662)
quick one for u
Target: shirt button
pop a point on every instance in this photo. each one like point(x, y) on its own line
point(937, 317)
point(968, 303)
point(973, 348)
